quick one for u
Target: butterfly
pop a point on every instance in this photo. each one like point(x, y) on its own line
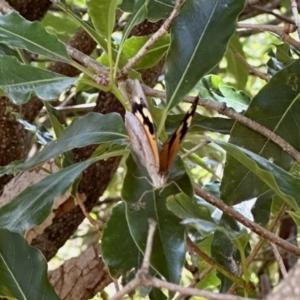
point(144, 145)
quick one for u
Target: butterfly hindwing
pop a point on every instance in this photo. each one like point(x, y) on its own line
point(172, 145)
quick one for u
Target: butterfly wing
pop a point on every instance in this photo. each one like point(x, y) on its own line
point(139, 143)
point(172, 145)
point(140, 127)
point(142, 113)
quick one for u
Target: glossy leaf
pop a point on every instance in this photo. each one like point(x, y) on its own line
point(276, 107)
point(93, 128)
point(6, 50)
point(211, 279)
point(285, 185)
point(23, 269)
point(235, 66)
point(143, 203)
point(32, 206)
point(197, 43)
point(211, 87)
point(161, 9)
point(261, 210)
point(154, 54)
point(103, 14)
point(193, 212)
point(18, 32)
point(60, 24)
point(224, 251)
point(138, 15)
point(279, 59)
point(18, 81)
point(119, 260)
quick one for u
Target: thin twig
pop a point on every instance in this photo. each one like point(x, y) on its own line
point(192, 150)
point(296, 16)
point(163, 30)
point(246, 222)
point(149, 244)
point(143, 272)
point(144, 279)
point(213, 263)
point(93, 222)
point(155, 282)
point(272, 228)
point(282, 31)
point(261, 75)
point(271, 12)
point(222, 109)
point(278, 259)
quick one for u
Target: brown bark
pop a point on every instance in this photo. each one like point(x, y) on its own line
point(80, 278)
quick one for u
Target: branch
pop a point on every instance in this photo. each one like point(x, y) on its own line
point(143, 278)
point(87, 60)
point(296, 16)
point(163, 30)
point(5, 8)
point(143, 272)
point(273, 227)
point(282, 31)
point(155, 282)
point(278, 259)
point(215, 264)
point(270, 11)
point(246, 222)
point(261, 75)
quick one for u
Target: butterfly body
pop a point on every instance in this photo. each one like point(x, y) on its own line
point(141, 131)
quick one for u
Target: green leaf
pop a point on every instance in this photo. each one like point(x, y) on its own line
point(276, 107)
point(6, 50)
point(93, 128)
point(261, 210)
point(158, 10)
point(143, 203)
point(138, 15)
point(224, 251)
point(157, 294)
point(211, 87)
point(23, 269)
point(19, 81)
point(193, 212)
point(18, 32)
point(197, 43)
point(280, 59)
point(103, 14)
point(32, 206)
point(119, 260)
point(285, 185)
point(295, 216)
point(234, 65)
point(154, 54)
point(211, 279)
point(60, 24)
point(53, 117)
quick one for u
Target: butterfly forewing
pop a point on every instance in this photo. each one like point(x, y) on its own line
point(141, 131)
point(142, 113)
point(172, 145)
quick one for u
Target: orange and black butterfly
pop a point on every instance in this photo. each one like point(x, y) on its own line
point(141, 131)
